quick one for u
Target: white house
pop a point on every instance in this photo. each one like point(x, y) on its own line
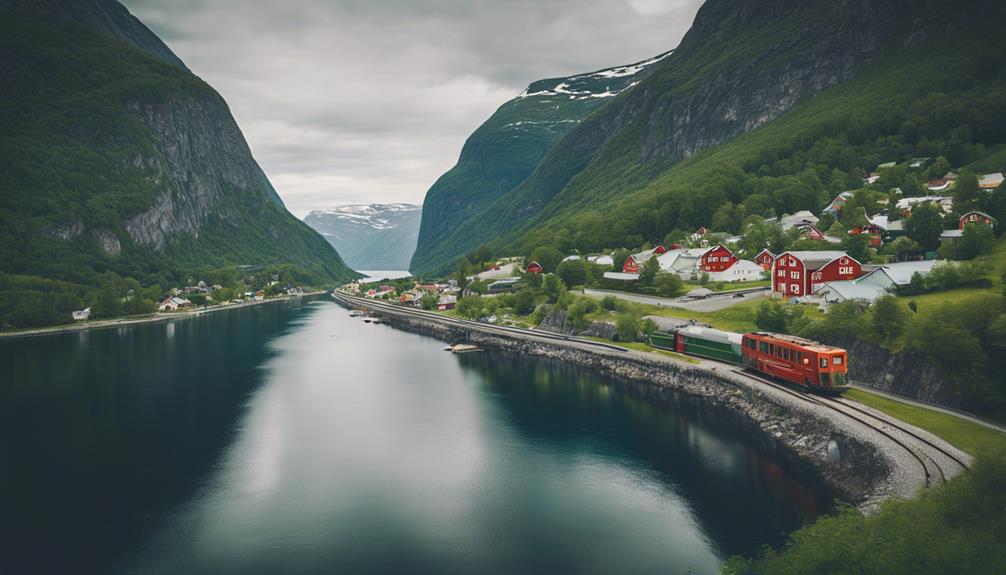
point(740, 271)
point(802, 217)
point(683, 262)
point(174, 303)
point(82, 314)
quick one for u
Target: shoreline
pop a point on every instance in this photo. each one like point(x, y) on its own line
point(156, 317)
point(854, 460)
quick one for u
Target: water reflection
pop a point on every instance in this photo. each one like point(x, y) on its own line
point(288, 438)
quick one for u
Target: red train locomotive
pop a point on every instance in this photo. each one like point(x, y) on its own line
point(801, 361)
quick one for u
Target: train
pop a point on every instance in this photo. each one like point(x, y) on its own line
point(808, 364)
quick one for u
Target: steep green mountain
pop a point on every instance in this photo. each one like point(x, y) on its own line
point(504, 151)
point(765, 107)
point(116, 161)
point(371, 236)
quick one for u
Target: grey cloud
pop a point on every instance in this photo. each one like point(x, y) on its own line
point(371, 100)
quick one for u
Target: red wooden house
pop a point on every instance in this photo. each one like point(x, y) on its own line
point(631, 266)
point(802, 273)
point(534, 268)
point(975, 218)
point(765, 259)
point(658, 250)
point(875, 232)
point(717, 259)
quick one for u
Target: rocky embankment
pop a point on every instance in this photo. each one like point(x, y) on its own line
point(909, 374)
point(847, 459)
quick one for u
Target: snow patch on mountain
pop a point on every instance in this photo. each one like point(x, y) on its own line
point(585, 85)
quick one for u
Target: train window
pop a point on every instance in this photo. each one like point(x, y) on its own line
point(824, 362)
point(771, 348)
point(837, 360)
point(785, 354)
point(752, 344)
point(799, 357)
point(764, 347)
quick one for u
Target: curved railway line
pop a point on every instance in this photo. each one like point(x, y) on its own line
point(935, 471)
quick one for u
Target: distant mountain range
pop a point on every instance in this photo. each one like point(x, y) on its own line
point(373, 236)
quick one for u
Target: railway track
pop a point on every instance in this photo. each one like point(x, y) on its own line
point(501, 329)
point(933, 470)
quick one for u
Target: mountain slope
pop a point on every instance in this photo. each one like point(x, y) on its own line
point(676, 147)
point(505, 150)
point(112, 159)
point(370, 237)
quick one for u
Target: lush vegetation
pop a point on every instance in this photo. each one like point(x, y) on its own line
point(77, 160)
point(958, 528)
point(595, 192)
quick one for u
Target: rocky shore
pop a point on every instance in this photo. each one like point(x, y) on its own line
point(853, 460)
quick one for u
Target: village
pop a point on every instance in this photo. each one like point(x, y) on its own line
point(865, 244)
point(200, 295)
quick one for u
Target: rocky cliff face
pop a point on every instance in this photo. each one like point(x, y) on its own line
point(123, 160)
point(909, 374)
point(372, 236)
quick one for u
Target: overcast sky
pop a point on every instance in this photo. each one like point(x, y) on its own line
point(369, 101)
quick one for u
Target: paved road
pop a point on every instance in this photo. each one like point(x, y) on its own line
point(505, 271)
point(714, 302)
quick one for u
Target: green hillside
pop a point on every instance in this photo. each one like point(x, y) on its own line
point(115, 164)
point(505, 150)
point(765, 108)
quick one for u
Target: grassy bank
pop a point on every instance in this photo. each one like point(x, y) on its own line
point(968, 436)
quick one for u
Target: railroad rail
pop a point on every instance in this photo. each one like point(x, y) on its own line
point(933, 471)
point(504, 329)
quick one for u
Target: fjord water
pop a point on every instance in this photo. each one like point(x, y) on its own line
point(289, 438)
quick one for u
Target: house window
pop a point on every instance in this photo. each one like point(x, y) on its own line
point(846, 270)
point(781, 273)
point(794, 275)
point(795, 288)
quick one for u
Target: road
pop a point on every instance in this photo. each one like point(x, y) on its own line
point(714, 302)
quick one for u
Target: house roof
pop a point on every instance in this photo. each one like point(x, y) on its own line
point(803, 216)
point(993, 180)
point(884, 223)
point(621, 276)
point(909, 202)
point(901, 273)
point(814, 259)
point(850, 289)
point(951, 233)
point(980, 214)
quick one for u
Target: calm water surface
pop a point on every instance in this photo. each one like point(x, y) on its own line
point(291, 438)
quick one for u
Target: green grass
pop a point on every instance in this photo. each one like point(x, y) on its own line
point(646, 348)
point(961, 433)
point(728, 287)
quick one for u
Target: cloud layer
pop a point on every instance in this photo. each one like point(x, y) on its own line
point(358, 101)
